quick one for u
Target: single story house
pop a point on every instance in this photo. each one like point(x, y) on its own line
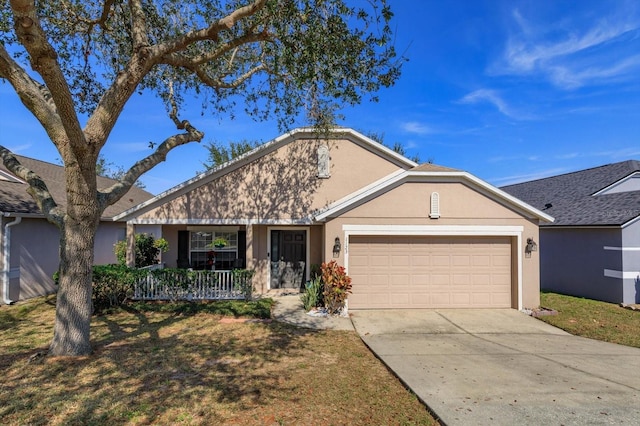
point(30, 244)
point(592, 249)
point(409, 235)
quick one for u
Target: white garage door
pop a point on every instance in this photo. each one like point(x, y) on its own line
point(430, 272)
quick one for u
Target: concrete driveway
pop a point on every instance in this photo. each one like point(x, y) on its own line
point(473, 367)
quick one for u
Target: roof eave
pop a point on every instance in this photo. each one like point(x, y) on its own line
point(336, 208)
point(252, 155)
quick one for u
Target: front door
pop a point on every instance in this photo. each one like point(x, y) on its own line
point(288, 255)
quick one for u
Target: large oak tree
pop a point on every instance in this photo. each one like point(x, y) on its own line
point(75, 64)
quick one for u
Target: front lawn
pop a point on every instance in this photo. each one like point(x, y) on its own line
point(593, 319)
point(184, 364)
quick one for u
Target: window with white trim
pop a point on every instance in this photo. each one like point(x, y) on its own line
point(213, 250)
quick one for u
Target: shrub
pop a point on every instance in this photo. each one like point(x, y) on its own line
point(113, 285)
point(147, 250)
point(337, 286)
point(312, 296)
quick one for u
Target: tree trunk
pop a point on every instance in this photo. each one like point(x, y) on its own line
point(77, 237)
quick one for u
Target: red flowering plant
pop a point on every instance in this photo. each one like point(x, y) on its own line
point(337, 286)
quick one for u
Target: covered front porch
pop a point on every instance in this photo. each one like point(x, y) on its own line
point(281, 256)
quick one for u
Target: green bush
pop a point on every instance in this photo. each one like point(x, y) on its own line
point(147, 250)
point(113, 285)
point(337, 286)
point(312, 296)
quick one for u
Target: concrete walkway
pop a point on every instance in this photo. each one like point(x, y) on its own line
point(502, 367)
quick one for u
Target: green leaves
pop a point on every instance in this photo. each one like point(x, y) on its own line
point(279, 59)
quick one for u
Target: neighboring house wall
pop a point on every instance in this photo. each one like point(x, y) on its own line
point(631, 262)
point(35, 255)
point(573, 261)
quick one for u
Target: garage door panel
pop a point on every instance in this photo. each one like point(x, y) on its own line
point(461, 260)
point(401, 260)
point(430, 272)
point(460, 299)
point(482, 260)
point(420, 260)
point(420, 279)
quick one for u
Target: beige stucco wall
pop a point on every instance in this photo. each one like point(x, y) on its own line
point(409, 204)
point(281, 185)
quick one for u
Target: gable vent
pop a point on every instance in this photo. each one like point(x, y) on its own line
point(435, 206)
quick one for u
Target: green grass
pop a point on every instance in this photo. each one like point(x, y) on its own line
point(181, 364)
point(593, 319)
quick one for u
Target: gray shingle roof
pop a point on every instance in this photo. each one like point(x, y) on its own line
point(15, 199)
point(571, 198)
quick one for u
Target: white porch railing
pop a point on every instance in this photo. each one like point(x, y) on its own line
point(192, 285)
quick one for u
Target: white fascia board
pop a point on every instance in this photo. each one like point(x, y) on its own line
point(437, 230)
point(239, 221)
point(448, 176)
point(631, 222)
point(614, 248)
point(623, 275)
point(23, 215)
point(616, 183)
point(510, 199)
point(11, 178)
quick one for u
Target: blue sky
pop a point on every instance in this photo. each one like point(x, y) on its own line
point(507, 90)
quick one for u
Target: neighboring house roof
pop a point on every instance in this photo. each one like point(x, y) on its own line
point(261, 151)
point(586, 197)
point(15, 199)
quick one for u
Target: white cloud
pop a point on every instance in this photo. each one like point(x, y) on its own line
point(416, 127)
point(513, 179)
point(492, 97)
point(20, 148)
point(574, 54)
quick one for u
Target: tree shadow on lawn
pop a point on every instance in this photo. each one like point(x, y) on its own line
point(156, 366)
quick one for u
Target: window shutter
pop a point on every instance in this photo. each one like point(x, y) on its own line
point(242, 249)
point(183, 249)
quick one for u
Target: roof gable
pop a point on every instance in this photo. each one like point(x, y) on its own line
point(195, 187)
point(435, 175)
point(598, 196)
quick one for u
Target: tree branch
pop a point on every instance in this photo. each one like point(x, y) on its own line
point(44, 60)
point(145, 57)
point(34, 96)
point(37, 187)
point(211, 32)
point(117, 190)
point(138, 25)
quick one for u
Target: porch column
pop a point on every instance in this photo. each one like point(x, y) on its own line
point(249, 254)
point(131, 245)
